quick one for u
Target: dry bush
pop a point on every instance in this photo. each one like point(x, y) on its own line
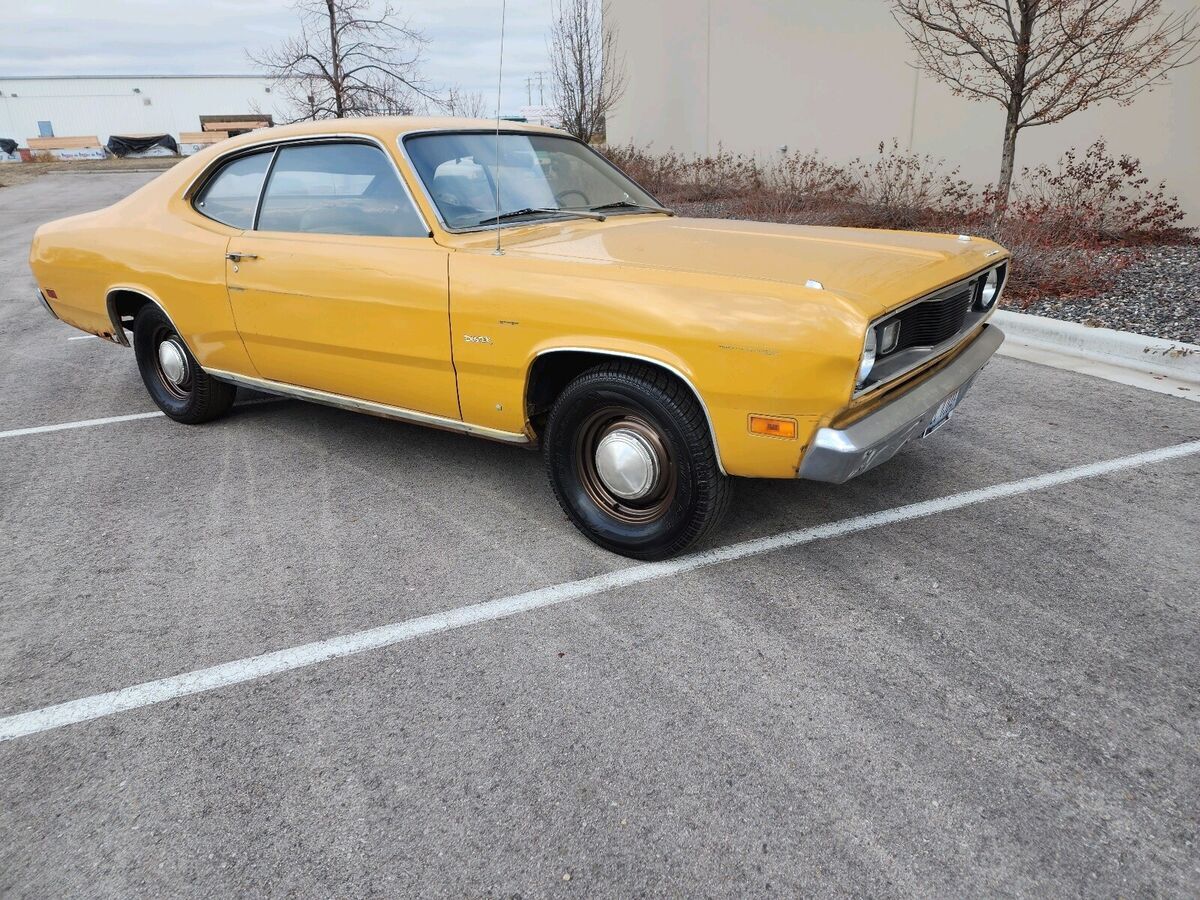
point(1056, 262)
point(808, 178)
point(674, 178)
point(1069, 227)
point(906, 190)
point(1073, 228)
point(657, 173)
point(721, 177)
point(1107, 198)
point(800, 188)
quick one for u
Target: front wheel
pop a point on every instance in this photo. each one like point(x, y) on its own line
point(632, 462)
point(182, 390)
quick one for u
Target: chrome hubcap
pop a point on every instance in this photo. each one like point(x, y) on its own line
point(627, 464)
point(173, 362)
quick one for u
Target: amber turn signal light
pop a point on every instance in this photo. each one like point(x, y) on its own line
point(773, 427)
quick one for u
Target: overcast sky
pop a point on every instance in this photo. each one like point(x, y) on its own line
point(175, 37)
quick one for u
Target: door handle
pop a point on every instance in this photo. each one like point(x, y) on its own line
point(238, 257)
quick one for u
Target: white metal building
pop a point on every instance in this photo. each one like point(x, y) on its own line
point(74, 106)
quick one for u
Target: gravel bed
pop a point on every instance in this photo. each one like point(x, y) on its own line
point(1158, 295)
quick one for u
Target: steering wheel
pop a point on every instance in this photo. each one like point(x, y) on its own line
point(559, 197)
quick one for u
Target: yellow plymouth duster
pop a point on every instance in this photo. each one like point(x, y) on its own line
point(515, 285)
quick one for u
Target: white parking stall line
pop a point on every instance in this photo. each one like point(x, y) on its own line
point(255, 667)
point(111, 420)
point(85, 337)
point(85, 423)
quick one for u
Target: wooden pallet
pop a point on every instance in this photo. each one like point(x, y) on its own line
point(63, 143)
point(236, 126)
point(202, 137)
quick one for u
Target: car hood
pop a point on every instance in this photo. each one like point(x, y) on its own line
point(873, 270)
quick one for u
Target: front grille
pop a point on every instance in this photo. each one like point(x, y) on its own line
point(928, 324)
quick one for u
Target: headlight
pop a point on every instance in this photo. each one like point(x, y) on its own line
point(868, 358)
point(990, 289)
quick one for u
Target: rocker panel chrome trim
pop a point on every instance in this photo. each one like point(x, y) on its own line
point(367, 406)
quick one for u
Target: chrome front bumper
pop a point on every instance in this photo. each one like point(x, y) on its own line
point(837, 455)
point(46, 303)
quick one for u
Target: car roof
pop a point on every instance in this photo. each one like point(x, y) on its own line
point(385, 128)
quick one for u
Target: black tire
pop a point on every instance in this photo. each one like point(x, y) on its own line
point(690, 494)
point(197, 396)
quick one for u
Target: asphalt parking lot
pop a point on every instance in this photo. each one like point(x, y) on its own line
point(1000, 696)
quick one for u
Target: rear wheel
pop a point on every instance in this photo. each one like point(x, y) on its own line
point(632, 463)
point(182, 390)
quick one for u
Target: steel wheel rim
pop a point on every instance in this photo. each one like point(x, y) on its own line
point(618, 425)
point(172, 364)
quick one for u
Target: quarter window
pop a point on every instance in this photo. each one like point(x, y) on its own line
point(340, 188)
point(232, 194)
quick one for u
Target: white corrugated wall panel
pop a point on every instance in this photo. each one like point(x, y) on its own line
point(107, 106)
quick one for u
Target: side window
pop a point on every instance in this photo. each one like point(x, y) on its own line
point(337, 189)
point(232, 194)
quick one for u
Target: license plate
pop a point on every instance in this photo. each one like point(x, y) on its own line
point(942, 415)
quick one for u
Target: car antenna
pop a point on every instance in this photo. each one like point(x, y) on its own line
point(499, 86)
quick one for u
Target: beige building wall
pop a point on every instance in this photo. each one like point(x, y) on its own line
point(834, 76)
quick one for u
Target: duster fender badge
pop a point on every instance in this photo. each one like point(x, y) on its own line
point(477, 339)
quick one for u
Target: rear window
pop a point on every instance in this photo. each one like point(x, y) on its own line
point(231, 195)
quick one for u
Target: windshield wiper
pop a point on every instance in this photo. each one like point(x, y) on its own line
point(629, 204)
point(530, 210)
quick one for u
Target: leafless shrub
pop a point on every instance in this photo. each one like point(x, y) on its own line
point(899, 189)
point(1106, 198)
point(720, 177)
point(1072, 227)
point(674, 178)
point(807, 177)
point(1056, 261)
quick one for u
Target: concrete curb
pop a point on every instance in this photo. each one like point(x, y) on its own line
point(1169, 367)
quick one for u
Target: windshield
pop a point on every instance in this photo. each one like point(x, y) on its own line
point(539, 175)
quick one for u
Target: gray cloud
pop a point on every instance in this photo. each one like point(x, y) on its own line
point(168, 37)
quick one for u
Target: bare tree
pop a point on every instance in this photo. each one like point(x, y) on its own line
point(1043, 60)
point(588, 76)
point(469, 104)
point(349, 59)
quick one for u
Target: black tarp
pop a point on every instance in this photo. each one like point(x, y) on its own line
point(122, 145)
point(8, 146)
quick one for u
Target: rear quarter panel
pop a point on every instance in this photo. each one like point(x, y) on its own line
point(154, 243)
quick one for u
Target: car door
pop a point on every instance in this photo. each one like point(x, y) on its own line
point(339, 286)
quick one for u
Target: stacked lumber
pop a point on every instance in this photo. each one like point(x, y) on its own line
point(63, 143)
point(202, 137)
point(236, 126)
point(194, 141)
point(67, 147)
